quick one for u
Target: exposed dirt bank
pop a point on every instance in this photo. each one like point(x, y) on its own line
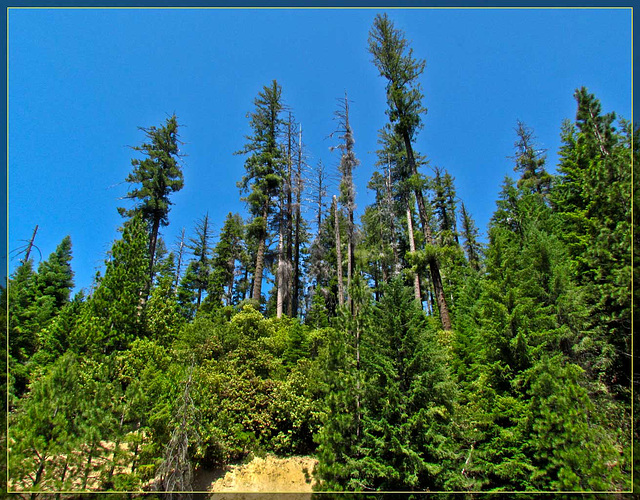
point(264, 475)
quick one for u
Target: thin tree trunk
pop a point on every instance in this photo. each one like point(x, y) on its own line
point(280, 274)
point(180, 251)
point(257, 277)
point(152, 247)
point(289, 212)
point(412, 247)
point(319, 199)
point(245, 280)
point(38, 477)
point(434, 267)
point(116, 448)
point(295, 303)
point(394, 246)
point(338, 253)
point(30, 246)
point(232, 266)
point(348, 180)
point(63, 476)
point(87, 469)
point(296, 258)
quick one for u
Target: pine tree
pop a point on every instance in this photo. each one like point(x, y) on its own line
point(225, 254)
point(200, 246)
point(55, 277)
point(445, 207)
point(394, 59)
point(187, 292)
point(36, 298)
point(112, 317)
point(264, 171)
point(348, 162)
point(471, 244)
point(158, 176)
point(391, 401)
point(22, 323)
point(338, 246)
point(593, 199)
point(46, 427)
point(319, 184)
point(530, 162)
point(300, 237)
point(162, 317)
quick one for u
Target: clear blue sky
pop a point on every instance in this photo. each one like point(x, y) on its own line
point(81, 82)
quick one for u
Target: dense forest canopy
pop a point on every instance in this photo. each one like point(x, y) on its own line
point(399, 348)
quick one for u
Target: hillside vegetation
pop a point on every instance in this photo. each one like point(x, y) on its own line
point(400, 351)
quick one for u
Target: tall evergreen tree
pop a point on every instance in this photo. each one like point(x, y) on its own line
point(394, 60)
point(225, 254)
point(300, 237)
point(158, 176)
point(200, 246)
point(319, 184)
point(112, 317)
point(264, 166)
point(55, 277)
point(593, 199)
point(445, 206)
point(530, 162)
point(471, 244)
point(348, 162)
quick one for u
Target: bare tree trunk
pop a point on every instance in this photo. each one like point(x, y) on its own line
point(30, 246)
point(180, 252)
point(296, 259)
point(289, 213)
point(338, 253)
point(280, 282)
point(434, 266)
point(321, 177)
point(412, 247)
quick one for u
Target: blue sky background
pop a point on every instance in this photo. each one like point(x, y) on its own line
point(81, 82)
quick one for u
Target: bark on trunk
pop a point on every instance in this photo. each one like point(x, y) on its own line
point(152, 246)
point(389, 201)
point(296, 259)
point(434, 267)
point(30, 245)
point(38, 477)
point(296, 266)
point(280, 274)
point(257, 277)
point(232, 266)
point(180, 251)
point(289, 232)
point(338, 253)
point(412, 247)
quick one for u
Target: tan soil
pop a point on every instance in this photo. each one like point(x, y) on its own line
point(268, 475)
